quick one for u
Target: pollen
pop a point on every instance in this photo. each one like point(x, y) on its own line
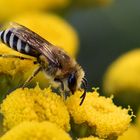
point(36, 131)
point(34, 105)
point(98, 114)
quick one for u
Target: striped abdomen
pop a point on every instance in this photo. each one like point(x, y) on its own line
point(12, 41)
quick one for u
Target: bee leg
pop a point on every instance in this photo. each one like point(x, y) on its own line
point(14, 56)
point(32, 76)
point(80, 89)
point(58, 80)
point(19, 57)
point(61, 89)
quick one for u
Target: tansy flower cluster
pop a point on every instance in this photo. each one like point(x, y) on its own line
point(98, 116)
point(122, 79)
point(36, 131)
point(35, 105)
point(11, 68)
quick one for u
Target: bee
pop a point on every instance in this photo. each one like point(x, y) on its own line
point(52, 60)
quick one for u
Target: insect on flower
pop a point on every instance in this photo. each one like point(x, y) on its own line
point(52, 60)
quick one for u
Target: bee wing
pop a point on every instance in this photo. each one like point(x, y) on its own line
point(35, 41)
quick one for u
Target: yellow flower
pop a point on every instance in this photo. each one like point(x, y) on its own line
point(90, 138)
point(123, 77)
point(34, 105)
point(11, 8)
point(53, 28)
point(14, 72)
point(36, 131)
point(13, 65)
point(131, 134)
point(98, 115)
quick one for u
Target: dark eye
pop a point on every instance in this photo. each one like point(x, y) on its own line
point(72, 82)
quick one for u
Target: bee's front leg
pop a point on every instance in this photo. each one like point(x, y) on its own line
point(32, 76)
point(62, 84)
point(16, 56)
point(62, 88)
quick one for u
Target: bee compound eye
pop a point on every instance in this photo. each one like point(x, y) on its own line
point(72, 82)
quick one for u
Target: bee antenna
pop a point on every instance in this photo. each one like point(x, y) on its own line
point(84, 83)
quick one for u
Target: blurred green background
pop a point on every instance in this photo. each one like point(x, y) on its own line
point(105, 33)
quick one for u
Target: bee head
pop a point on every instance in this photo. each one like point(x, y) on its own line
point(75, 80)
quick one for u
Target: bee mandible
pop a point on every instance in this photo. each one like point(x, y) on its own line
point(52, 60)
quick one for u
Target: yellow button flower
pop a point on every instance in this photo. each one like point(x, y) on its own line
point(34, 105)
point(11, 66)
point(97, 115)
point(53, 28)
point(131, 134)
point(123, 77)
point(11, 8)
point(14, 72)
point(36, 131)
